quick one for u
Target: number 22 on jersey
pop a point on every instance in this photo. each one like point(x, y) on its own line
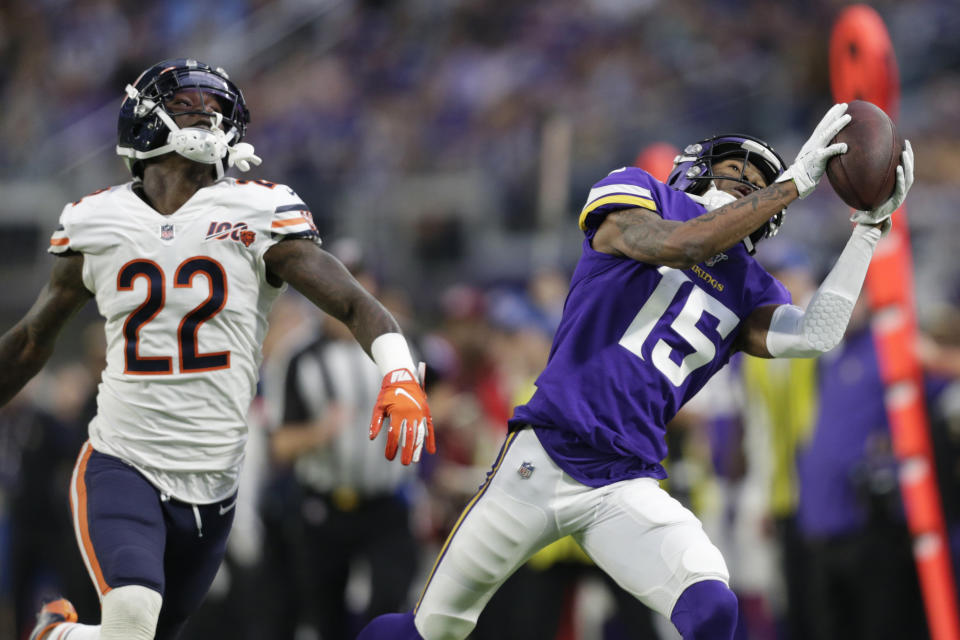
point(651, 315)
point(189, 356)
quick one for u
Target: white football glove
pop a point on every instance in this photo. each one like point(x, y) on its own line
point(904, 182)
point(811, 162)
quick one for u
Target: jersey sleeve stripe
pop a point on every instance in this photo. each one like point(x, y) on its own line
point(610, 189)
point(59, 241)
point(293, 221)
point(308, 233)
point(292, 207)
point(287, 223)
point(631, 201)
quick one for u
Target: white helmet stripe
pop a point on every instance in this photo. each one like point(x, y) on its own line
point(767, 155)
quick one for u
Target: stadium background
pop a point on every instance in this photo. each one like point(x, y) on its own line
point(454, 140)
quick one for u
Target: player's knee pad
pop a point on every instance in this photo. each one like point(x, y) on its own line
point(701, 559)
point(130, 613)
point(392, 626)
point(706, 610)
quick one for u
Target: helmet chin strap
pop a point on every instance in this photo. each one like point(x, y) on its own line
point(200, 144)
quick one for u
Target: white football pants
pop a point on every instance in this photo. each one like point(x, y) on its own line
point(647, 541)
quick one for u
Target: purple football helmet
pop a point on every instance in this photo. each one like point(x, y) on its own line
point(693, 171)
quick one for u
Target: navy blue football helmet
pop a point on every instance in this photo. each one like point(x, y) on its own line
point(693, 171)
point(146, 128)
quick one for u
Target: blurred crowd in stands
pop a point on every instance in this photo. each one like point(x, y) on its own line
point(453, 141)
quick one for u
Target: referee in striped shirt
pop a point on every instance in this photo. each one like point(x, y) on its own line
point(355, 507)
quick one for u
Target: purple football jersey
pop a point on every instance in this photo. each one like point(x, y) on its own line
point(637, 341)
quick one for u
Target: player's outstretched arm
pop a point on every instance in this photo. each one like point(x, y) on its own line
point(27, 346)
point(643, 235)
point(402, 403)
point(786, 331)
point(324, 281)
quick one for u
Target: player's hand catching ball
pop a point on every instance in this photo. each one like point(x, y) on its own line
point(402, 404)
point(904, 182)
point(811, 162)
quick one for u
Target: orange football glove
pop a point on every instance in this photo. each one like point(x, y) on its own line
point(404, 404)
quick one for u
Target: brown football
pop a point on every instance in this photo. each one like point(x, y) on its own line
point(864, 177)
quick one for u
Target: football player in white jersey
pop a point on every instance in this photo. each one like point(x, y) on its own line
point(184, 264)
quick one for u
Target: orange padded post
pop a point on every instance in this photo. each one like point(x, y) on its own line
point(863, 67)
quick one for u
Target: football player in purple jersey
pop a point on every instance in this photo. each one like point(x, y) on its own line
point(665, 291)
point(184, 264)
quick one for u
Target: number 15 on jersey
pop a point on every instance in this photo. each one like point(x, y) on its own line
point(652, 315)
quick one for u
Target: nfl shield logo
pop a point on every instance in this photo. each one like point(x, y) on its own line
point(526, 470)
point(715, 259)
point(166, 232)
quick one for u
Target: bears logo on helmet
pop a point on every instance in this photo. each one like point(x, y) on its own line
point(693, 171)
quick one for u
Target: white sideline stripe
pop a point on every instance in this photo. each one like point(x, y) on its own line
point(753, 147)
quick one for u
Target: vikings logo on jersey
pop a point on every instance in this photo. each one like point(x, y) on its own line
point(720, 257)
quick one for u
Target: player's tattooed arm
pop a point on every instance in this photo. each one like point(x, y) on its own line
point(645, 236)
point(26, 347)
point(326, 282)
point(640, 234)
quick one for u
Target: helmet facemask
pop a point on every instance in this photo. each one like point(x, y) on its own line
point(148, 128)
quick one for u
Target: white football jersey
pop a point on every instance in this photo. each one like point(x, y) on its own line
point(186, 298)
